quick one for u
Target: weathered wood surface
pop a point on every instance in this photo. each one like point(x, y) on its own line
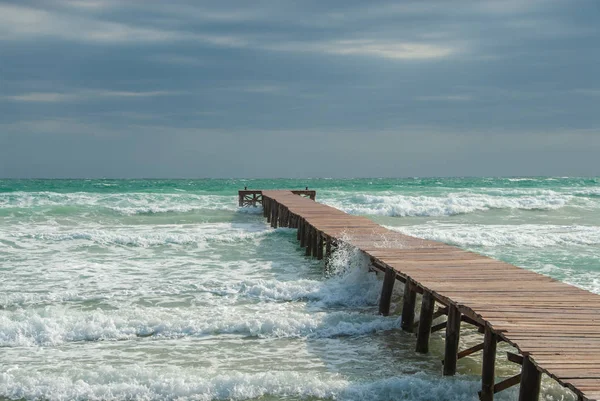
point(555, 325)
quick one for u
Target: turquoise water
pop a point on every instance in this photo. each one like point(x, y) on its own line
point(165, 289)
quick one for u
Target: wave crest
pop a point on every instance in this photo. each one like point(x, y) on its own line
point(522, 235)
point(451, 204)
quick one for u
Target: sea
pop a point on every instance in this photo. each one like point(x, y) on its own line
point(167, 290)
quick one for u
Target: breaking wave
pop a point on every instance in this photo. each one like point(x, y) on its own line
point(144, 235)
point(120, 203)
point(54, 326)
point(451, 204)
point(143, 383)
point(522, 235)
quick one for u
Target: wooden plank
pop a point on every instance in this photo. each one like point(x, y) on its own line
point(507, 383)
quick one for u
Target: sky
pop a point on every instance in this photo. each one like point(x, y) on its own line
point(275, 88)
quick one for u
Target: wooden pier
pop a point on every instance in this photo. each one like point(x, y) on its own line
point(554, 326)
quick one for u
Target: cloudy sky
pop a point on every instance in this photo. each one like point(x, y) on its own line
point(273, 88)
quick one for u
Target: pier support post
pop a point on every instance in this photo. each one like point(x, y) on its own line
point(452, 337)
point(320, 245)
point(274, 214)
point(281, 215)
point(530, 381)
point(315, 242)
point(299, 224)
point(408, 306)
point(328, 247)
point(309, 240)
point(488, 365)
point(425, 320)
point(265, 204)
point(306, 235)
point(386, 291)
point(302, 231)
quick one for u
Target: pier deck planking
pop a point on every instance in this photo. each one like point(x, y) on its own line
point(555, 326)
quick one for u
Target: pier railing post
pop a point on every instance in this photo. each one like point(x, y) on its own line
point(452, 337)
point(530, 381)
point(488, 366)
point(408, 306)
point(386, 291)
point(425, 320)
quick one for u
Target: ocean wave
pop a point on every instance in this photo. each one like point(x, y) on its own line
point(147, 236)
point(585, 279)
point(451, 204)
point(120, 203)
point(590, 192)
point(522, 235)
point(354, 287)
point(152, 383)
point(351, 285)
point(54, 325)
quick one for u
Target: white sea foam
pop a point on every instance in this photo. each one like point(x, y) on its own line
point(450, 204)
point(143, 235)
point(54, 325)
point(350, 286)
point(144, 383)
point(522, 235)
point(354, 289)
point(588, 280)
point(122, 203)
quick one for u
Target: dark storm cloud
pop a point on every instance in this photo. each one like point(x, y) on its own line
point(141, 88)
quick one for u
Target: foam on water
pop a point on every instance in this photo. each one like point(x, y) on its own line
point(447, 205)
point(351, 285)
point(139, 383)
point(130, 203)
point(54, 326)
point(522, 235)
point(142, 236)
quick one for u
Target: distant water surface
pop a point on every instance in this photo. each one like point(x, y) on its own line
point(165, 289)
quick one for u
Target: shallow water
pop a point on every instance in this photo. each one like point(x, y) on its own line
point(165, 289)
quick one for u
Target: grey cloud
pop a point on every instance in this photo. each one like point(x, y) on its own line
point(358, 88)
